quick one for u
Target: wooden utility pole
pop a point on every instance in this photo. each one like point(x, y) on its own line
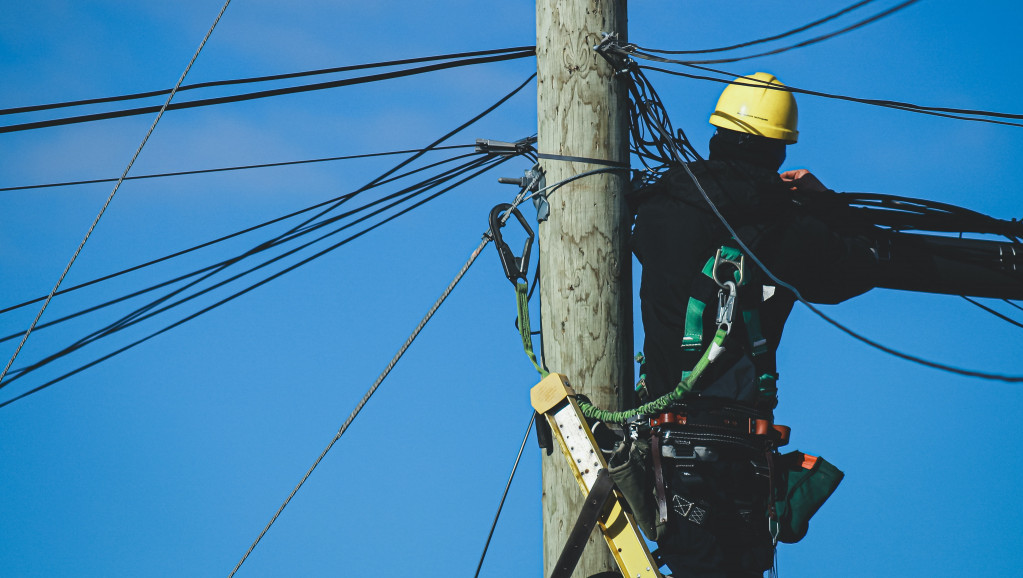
point(585, 264)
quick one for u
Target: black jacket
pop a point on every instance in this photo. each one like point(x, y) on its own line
point(676, 233)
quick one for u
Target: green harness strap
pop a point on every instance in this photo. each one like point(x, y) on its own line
point(522, 300)
point(692, 338)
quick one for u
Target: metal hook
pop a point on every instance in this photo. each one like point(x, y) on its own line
point(514, 267)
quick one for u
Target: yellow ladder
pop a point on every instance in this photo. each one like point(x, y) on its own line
point(554, 398)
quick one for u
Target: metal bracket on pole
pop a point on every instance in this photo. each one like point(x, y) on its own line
point(555, 400)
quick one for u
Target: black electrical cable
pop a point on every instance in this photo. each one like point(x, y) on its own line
point(333, 202)
point(110, 197)
point(504, 496)
point(138, 95)
point(634, 71)
point(993, 312)
point(243, 291)
point(264, 93)
point(235, 168)
point(955, 113)
point(266, 245)
point(417, 155)
point(810, 41)
point(769, 38)
point(147, 311)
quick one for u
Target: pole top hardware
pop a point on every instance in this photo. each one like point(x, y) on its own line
point(498, 147)
point(514, 267)
point(615, 53)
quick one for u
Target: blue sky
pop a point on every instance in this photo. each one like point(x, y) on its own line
point(169, 459)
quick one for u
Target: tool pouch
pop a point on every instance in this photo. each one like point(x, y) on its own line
point(629, 467)
point(807, 482)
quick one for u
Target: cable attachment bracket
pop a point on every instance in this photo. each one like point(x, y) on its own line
point(614, 53)
point(532, 181)
point(515, 268)
point(498, 147)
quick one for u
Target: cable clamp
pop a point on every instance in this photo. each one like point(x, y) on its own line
point(533, 181)
point(497, 147)
point(614, 53)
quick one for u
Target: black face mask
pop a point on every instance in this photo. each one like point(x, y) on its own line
point(764, 152)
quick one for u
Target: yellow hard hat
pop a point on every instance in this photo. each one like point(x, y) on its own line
point(758, 109)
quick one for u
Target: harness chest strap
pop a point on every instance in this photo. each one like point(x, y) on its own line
point(706, 283)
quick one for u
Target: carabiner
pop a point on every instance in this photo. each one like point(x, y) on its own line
point(514, 267)
point(726, 305)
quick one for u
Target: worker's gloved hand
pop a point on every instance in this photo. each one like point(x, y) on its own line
point(803, 180)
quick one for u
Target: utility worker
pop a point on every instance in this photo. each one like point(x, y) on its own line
point(717, 494)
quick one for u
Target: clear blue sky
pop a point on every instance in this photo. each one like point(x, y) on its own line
point(169, 459)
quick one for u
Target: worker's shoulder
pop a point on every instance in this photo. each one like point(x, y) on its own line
point(724, 182)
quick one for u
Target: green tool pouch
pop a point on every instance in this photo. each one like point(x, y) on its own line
point(629, 467)
point(808, 481)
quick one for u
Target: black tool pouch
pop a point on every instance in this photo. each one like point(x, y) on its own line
point(630, 468)
point(807, 482)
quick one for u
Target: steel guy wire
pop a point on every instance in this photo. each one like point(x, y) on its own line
point(138, 95)
point(138, 317)
point(138, 151)
point(487, 237)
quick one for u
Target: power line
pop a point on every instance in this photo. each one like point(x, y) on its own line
point(769, 38)
point(955, 113)
point(234, 168)
point(814, 40)
point(147, 312)
point(332, 202)
point(138, 95)
point(227, 237)
point(993, 312)
point(111, 196)
point(266, 245)
point(500, 505)
point(240, 292)
point(264, 93)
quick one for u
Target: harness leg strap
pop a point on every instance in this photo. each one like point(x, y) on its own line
point(662, 501)
point(588, 517)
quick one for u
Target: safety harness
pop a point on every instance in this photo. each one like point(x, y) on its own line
point(727, 276)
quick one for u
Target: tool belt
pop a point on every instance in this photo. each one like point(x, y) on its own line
point(700, 430)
